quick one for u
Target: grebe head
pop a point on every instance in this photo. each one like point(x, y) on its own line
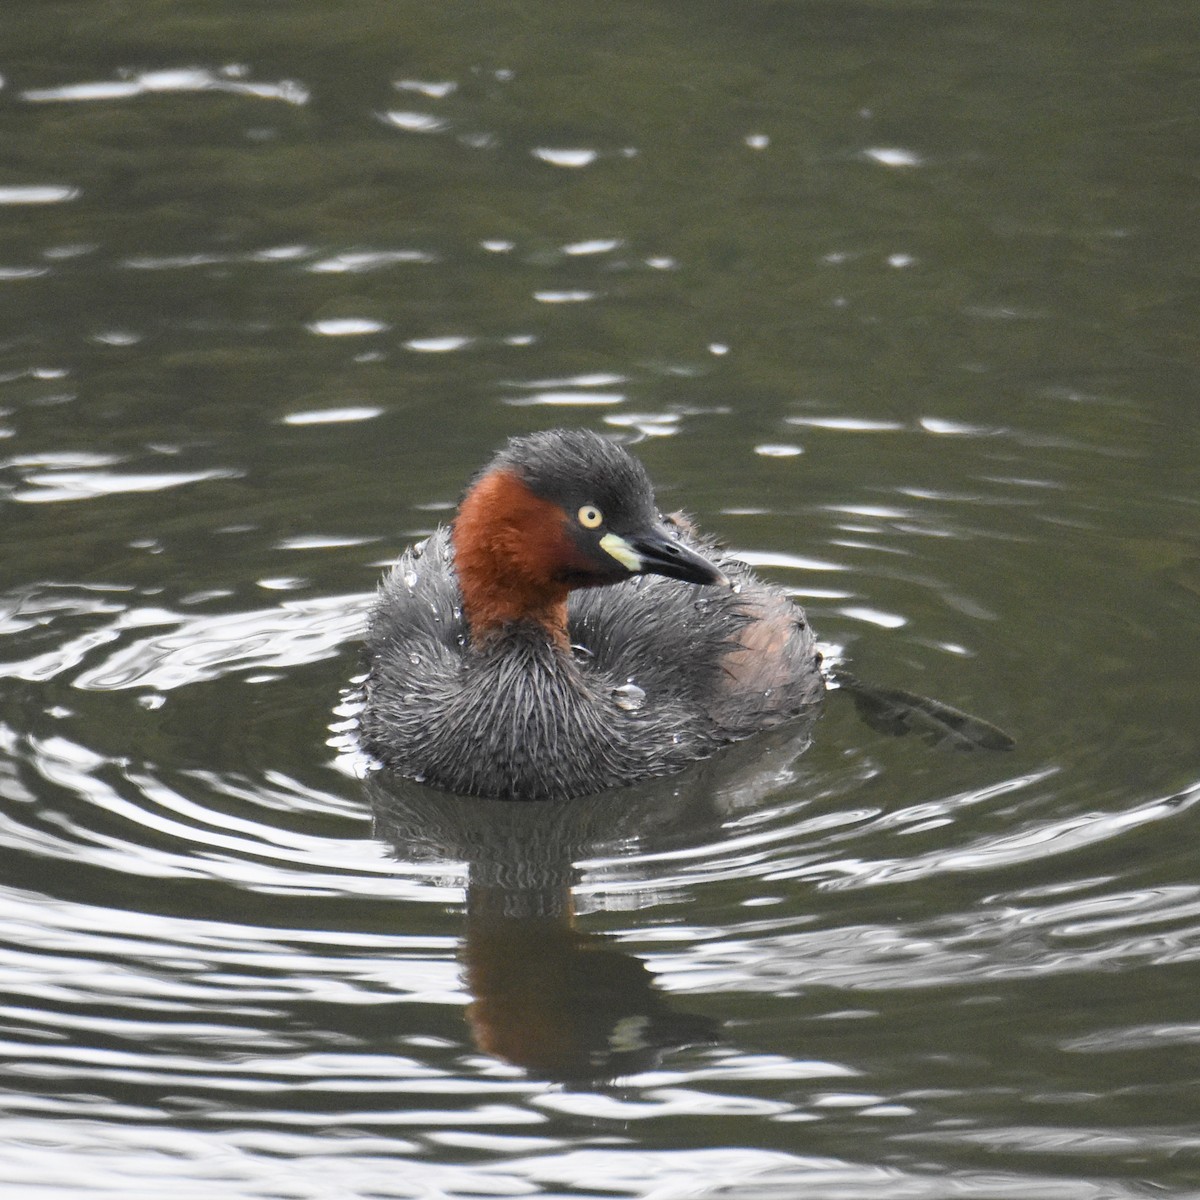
point(554, 511)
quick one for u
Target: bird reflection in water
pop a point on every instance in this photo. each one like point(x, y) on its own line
point(558, 1001)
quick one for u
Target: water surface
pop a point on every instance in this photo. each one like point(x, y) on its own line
point(899, 299)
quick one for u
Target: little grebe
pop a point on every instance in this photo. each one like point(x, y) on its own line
point(562, 638)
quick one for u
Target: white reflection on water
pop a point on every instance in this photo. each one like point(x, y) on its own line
point(874, 616)
point(186, 79)
point(346, 327)
point(564, 295)
point(591, 246)
point(434, 89)
point(200, 647)
point(846, 424)
point(646, 424)
point(332, 416)
point(573, 159)
point(794, 562)
point(893, 156)
point(416, 122)
point(51, 487)
point(438, 345)
point(128, 1158)
point(35, 193)
point(1138, 1037)
point(1053, 837)
point(359, 261)
point(567, 399)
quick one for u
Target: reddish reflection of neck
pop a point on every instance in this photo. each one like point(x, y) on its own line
point(509, 546)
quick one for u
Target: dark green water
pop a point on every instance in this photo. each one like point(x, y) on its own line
point(899, 298)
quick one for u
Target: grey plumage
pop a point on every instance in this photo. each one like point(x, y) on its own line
point(518, 718)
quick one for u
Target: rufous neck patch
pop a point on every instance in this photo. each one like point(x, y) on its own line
point(510, 547)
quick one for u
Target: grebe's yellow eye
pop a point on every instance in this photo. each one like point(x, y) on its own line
point(590, 517)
